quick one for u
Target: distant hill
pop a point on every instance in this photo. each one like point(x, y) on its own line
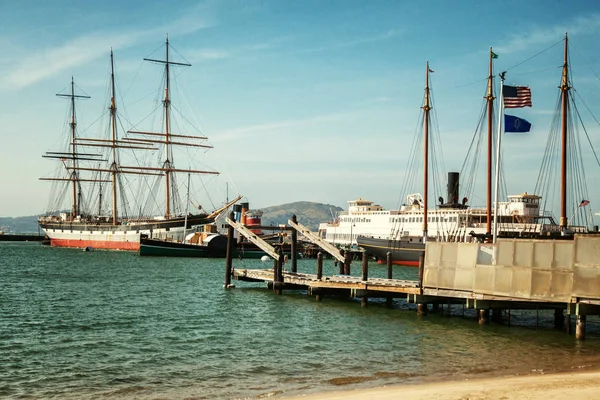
point(308, 213)
point(19, 224)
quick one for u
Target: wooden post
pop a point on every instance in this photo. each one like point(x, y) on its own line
point(484, 316)
point(497, 315)
point(278, 275)
point(421, 309)
point(364, 301)
point(347, 261)
point(341, 264)
point(389, 302)
point(559, 319)
point(435, 308)
point(580, 327)
point(228, 261)
point(319, 265)
point(569, 326)
point(365, 267)
point(421, 269)
point(294, 254)
point(389, 264)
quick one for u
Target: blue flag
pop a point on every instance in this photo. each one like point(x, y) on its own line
point(515, 124)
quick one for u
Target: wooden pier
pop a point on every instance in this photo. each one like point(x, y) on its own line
point(525, 274)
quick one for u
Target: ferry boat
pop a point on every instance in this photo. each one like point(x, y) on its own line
point(379, 231)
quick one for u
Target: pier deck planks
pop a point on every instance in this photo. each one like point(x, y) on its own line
point(305, 281)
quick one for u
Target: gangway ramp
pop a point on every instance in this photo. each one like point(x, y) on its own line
point(314, 238)
point(251, 236)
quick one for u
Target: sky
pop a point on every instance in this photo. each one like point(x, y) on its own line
point(311, 100)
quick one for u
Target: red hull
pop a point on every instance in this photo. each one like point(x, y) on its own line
point(96, 244)
point(404, 263)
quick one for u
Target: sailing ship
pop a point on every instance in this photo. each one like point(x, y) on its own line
point(404, 232)
point(91, 223)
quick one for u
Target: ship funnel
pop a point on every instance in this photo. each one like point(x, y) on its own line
point(245, 207)
point(453, 179)
point(237, 211)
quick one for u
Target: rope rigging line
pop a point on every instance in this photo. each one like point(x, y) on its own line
point(534, 56)
point(583, 126)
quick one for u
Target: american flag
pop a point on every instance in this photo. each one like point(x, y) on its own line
point(516, 96)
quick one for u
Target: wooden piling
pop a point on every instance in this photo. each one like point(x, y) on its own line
point(319, 265)
point(347, 261)
point(421, 268)
point(497, 315)
point(484, 316)
point(228, 252)
point(279, 282)
point(422, 309)
point(294, 248)
point(388, 261)
point(342, 265)
point(559, 319)
point(365, 267)
point(435, 308)
point(580, 327)
point(389, 302)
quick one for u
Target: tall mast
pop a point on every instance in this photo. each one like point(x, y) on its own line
point(564, 88)
point(75, 203)
point(490, 110)
point(167, 103)
point(113, 123)
point(167, 166)
point(426, 107)
point(75, 206)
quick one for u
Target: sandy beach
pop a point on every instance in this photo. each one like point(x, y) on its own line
point(572, 385)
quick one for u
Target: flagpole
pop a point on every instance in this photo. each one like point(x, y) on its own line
point(497, 174)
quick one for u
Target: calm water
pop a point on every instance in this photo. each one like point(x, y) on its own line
point(87, 325)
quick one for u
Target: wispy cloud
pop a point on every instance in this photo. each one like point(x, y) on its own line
point(45, 63)
point(268, 128)
point(583, 25)
point(199, 55)
point(355, 42)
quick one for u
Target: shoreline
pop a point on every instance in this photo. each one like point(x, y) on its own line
point(579, 384)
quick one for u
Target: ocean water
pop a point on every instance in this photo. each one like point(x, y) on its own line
point(102, 324)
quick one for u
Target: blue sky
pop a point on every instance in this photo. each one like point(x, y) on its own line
point(302, 100)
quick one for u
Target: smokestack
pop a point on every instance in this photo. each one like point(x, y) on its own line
point(245, 207)
point(237, 211)
point(453, 179)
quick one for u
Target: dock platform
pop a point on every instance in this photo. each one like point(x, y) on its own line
point(372, 287)
point(514, 274)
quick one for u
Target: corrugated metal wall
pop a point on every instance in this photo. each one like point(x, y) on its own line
point(548, 270)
